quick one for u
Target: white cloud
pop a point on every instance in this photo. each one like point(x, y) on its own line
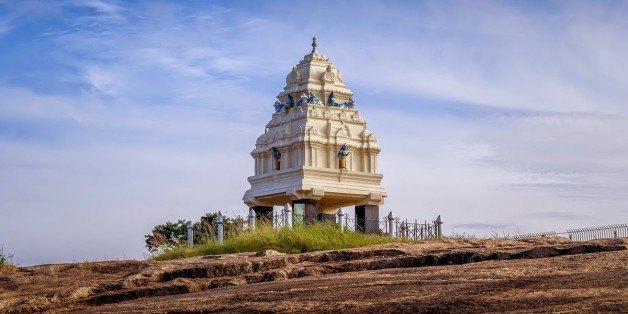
point(166, 84)
point(497, 55)
point(5, 27)
point(514, 173)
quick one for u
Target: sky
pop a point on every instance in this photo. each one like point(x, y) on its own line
point(501, 116)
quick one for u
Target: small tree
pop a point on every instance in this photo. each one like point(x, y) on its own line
point(172, 234)
point(166, 235)
point(4, 257)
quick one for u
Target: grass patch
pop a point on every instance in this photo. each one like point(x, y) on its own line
point(300, 239)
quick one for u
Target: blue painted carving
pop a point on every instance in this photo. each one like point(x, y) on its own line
point(290, 102)
point(348, 104)
point(331, 101)
point(303, 100)
point(279, 106)
point(276, 153)
point(312, 99)
point(343, 152)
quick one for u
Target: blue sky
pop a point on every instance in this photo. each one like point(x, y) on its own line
point(115, 116)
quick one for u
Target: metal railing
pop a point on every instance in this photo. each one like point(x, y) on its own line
point(402, 228)
point(603, 232)
point(581, 234)
point(390, 226)
point(416, 230)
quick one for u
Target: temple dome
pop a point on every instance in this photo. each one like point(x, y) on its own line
point(315, 74)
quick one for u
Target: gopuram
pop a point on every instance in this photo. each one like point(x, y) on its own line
point(316, 152)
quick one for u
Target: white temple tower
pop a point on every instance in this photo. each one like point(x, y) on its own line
point(315, 116)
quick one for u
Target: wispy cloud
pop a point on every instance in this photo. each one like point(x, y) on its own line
point(498, 116)
point(5, 27)
point(490, 53)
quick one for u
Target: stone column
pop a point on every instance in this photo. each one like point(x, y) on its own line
point(220, 227)
point(284, 159)
point(310, 209)
point(300, 157)
point(363, 153)
point(331, 157)
point(367, 218)
point(374, 163)
point(298, 213)
point(190, 235)
point(439, 228)
point(391, 224)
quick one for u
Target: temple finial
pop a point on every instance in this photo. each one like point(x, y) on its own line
point(314, 45)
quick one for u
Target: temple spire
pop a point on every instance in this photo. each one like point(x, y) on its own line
point(314, 45)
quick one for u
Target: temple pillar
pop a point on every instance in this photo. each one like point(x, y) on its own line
point(367, 218)
point(298, 212)
point(306, 208)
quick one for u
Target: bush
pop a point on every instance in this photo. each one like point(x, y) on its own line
point(300, 239)
point(172, 234)
point(5, 259)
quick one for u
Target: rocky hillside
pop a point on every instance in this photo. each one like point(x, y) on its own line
point(434, 276)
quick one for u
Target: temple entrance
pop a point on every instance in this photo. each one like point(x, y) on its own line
point(367, 218)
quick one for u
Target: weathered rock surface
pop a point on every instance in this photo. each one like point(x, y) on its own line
point(434, 276)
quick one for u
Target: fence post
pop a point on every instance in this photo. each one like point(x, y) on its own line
point(221, 232)
point(439, 229)
point(251, 219)
point(341, 216)
point(287, 216)
point(190, 235)
point(391, 227)
point(403, 229)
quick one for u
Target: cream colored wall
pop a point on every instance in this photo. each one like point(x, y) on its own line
point(311, 135)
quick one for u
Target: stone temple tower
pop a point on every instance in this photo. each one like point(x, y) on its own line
point(316, 152)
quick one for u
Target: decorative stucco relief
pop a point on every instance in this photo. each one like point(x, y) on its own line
point(327, 114)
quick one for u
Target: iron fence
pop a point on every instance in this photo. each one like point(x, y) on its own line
point(401, 228)
point(581, 234)
point(603, 232)
point(416, 230)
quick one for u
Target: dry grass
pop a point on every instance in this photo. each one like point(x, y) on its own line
point(299, 239)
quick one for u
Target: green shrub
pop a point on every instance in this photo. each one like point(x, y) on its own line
point(300, 239)
point(5, 259)
point(170, 235)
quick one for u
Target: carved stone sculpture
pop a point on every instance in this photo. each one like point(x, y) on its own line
point(342, 157)
point(343, 152)
point(303, 99)
point(331, 101)
point(349, 104)
point(328, 75)
point(312, 99)
point(279, 106)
